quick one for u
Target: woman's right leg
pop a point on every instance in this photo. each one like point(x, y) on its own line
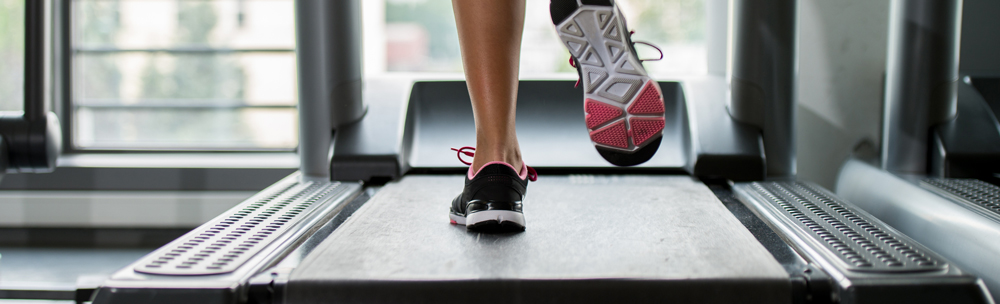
point(489, 32)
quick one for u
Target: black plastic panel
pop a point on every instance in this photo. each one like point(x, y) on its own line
point(550, 126)
point(969, 145)
point(411, 126)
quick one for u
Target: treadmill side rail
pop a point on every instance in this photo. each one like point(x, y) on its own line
point(214, 262)
point(870, 261)
point(976, 195)
point(966, 237)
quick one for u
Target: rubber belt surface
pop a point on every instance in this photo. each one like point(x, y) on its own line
point(589, 238)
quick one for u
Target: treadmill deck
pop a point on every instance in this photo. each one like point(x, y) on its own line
point(588, 239)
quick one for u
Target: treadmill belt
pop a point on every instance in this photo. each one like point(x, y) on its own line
point(588, 239)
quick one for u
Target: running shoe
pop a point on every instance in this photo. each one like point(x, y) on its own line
point(623, 105)
point(492, 198)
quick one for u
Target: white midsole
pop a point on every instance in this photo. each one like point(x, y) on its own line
point(488, 215)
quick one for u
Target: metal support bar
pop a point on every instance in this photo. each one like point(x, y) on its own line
point(33, 137)
point(762, 80)
point(328, 45)
point(34, 60)
point(921, 79)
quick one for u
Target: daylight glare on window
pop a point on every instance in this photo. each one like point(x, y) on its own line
point(420, 36)
point(11, 55)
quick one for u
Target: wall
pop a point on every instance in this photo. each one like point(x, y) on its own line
point(980, 37)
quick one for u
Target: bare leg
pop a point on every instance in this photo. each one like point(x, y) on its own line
point(489, 32)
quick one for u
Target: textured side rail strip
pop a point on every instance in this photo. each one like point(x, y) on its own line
point(859, 242)
point(226, 242)
point(977, 195)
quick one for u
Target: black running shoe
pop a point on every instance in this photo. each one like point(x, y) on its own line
point(492, 198)
point(624, 106)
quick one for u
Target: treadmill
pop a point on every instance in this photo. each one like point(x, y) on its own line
point(715, 217)
point(937, 177)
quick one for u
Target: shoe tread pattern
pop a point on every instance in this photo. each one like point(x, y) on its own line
point(612, 77)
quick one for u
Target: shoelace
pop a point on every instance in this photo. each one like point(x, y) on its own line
point(532, 175)
point(572, 62)
point(630, 33)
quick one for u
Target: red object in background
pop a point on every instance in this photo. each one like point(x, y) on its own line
point(407, 46)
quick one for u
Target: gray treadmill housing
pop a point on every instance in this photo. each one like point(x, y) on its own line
point(870, 261)
point(762, 80)
point(304, 204)
point(976, 195)
point(959, 233)
point(412, 125)
point(933, 125)
point(328, 54)
point(921, 79)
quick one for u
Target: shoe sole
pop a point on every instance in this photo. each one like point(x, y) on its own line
point(490, 220)
point(623, 105)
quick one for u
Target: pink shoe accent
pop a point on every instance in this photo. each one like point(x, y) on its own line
point(572, 63)
point(642, 129)
point(650, 101)
point(521, 173)
point(614, 135)
point(599, 113)
point(525, 172)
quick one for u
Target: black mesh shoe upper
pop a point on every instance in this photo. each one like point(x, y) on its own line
point(495, 187)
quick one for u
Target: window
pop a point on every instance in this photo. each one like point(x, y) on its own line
point(12, 55)
point(183, 75)
point(420, 36)
point(220, 74)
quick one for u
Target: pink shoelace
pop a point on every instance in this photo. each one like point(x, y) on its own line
point(532, 175)
point(572, 62)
